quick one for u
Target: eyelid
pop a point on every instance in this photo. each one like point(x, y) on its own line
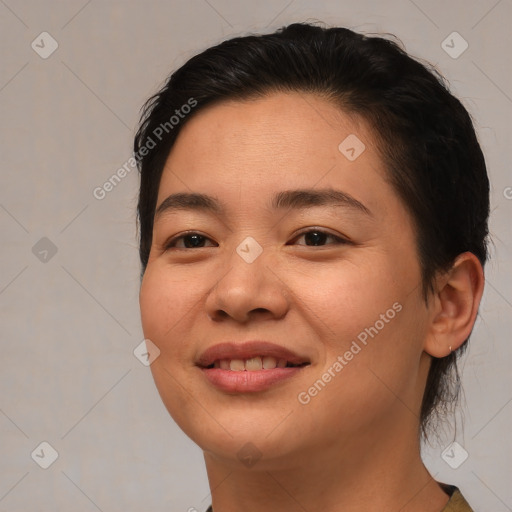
point(338, 237)
point(168, 243)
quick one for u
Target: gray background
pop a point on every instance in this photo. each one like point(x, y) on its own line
point(70, 320)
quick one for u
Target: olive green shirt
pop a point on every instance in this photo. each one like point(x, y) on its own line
point(456, 503)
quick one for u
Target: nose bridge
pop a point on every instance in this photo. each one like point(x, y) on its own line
point(249, 286)
point(249, 261)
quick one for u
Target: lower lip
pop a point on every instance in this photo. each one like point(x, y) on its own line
point(248, 381)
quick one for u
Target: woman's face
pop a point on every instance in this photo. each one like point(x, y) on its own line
point(286, 299)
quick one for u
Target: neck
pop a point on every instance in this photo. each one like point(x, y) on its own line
point(359, 474)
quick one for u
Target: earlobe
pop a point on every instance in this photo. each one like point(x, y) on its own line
point(455, 305)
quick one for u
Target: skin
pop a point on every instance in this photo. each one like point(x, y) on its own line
point(355, 445)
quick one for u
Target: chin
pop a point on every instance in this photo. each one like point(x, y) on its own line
point(225, 435)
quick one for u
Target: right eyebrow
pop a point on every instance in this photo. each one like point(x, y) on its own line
point(189, 201)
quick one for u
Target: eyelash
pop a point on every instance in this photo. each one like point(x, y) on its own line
point(338, 240)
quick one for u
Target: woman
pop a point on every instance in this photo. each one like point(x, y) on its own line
point(313, 219)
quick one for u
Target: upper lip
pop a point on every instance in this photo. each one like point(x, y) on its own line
point(247, 350)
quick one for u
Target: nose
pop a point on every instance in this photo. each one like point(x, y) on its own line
point(248, 291)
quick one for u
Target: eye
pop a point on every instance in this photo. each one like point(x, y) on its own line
point(318, 237)
point(190, 240)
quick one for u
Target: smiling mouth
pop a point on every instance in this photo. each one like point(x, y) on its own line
point(254, 364)
point(250, 366)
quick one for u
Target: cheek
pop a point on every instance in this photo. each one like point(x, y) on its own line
point(164, 307)
point(349, 298)
point(155, 297)
point(165, 298)
point(164, 303)
point(372, 330)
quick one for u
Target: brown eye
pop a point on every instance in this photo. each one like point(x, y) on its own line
point(315, 238)
point(189, 241)
point(318, 238)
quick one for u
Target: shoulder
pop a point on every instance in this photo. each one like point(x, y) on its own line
point(456, 503)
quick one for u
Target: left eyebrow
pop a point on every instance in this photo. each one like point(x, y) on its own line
point(308, 198)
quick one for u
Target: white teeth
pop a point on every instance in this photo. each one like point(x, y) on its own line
point(237, 365)
point(269, 362)
point(253, 364)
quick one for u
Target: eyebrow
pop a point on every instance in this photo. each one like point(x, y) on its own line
point(307, 198)
point(189, 201)
point(286, 199)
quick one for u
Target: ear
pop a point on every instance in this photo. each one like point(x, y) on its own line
point(455, 305)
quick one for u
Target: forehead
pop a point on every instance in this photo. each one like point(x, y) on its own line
point(286, 122)
point(284, 137)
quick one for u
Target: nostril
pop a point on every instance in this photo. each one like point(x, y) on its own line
point(260, 310)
